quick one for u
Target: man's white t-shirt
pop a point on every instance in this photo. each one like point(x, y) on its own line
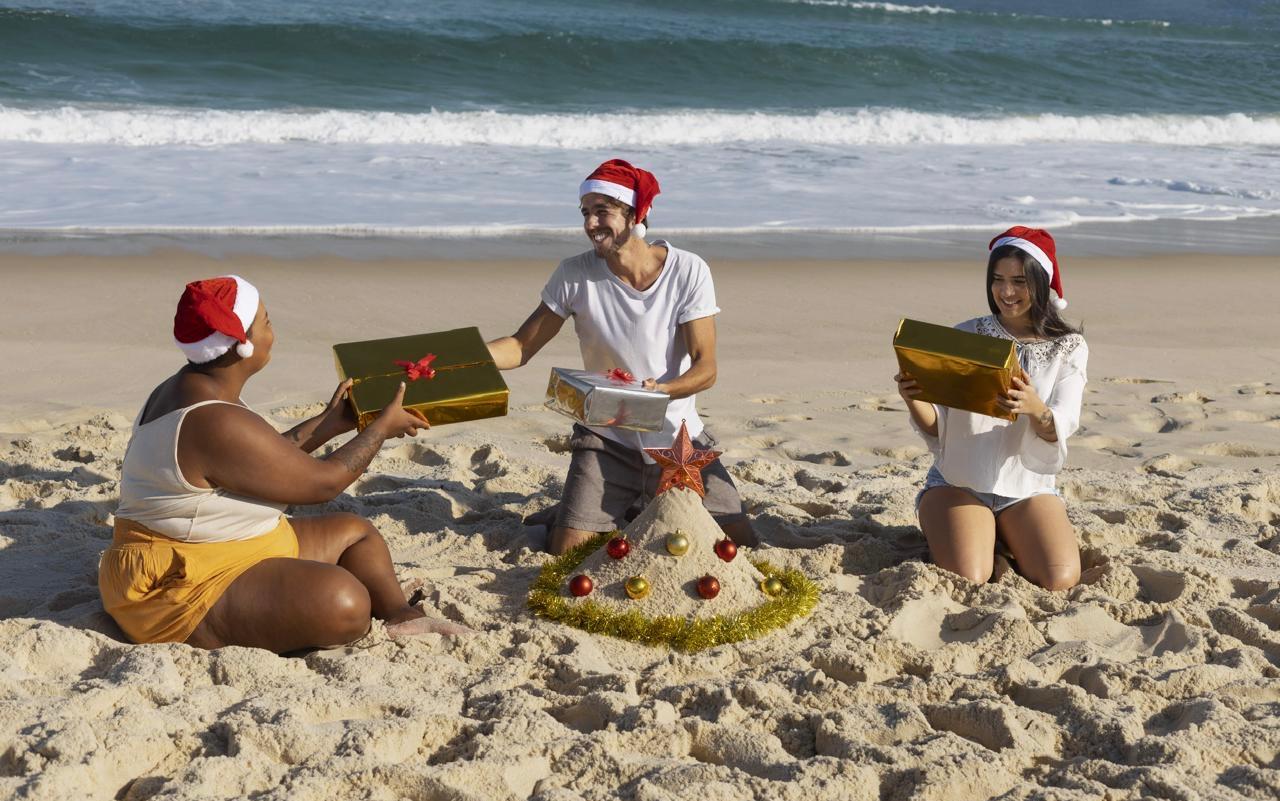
point(620, 326)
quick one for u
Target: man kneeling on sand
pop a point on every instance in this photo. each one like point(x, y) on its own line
point(203, 552)
point(648, 309)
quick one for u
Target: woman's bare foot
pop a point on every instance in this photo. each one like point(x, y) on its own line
point(414, 622)
point(413, 589)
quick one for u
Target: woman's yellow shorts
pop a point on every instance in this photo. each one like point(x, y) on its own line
point(158, 589)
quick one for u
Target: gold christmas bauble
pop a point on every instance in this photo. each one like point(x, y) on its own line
point(772, 586)
point(637, 587)
point(677, 543)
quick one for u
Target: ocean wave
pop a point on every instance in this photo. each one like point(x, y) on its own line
point(151, 127)
point(1136, 213)
point(887, 8)
point(1197, 188)
point(896, 8)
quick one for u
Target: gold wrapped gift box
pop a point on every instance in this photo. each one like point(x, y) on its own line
point(957, 368)
point(466, 385)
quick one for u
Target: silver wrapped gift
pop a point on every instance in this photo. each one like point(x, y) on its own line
point(606, 399)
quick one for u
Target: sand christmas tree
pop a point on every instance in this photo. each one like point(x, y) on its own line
point(671, 577)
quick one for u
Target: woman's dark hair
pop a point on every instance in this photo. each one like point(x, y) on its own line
point(1045, 320)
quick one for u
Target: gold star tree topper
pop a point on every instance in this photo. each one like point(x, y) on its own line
point(682, 463)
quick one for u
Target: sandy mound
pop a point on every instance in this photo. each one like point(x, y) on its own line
point(673, 579)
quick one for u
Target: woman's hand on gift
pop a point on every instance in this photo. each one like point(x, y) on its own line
point(907, 386)
point(396, 421)
point(1022, 398)
point(338, 417)
point(925, 416)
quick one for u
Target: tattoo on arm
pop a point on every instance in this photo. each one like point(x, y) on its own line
point(293, 435)
point(356, 454)
point(1046, 419)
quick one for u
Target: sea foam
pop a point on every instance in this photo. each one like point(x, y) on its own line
point(172, 126)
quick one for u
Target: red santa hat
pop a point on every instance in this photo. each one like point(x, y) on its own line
point(213, 316)
point(621, 181)
point(1039, 244)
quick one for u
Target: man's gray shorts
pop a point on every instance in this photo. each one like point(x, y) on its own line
point(606, 478)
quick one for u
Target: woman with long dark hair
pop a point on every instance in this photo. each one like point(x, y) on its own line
point(993, 478)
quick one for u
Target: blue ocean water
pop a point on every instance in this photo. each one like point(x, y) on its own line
point(480, 116)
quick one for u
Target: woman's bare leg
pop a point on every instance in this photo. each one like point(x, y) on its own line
point(1043, 543)
point(287, 604)
point(352, 543)
point(961, 532)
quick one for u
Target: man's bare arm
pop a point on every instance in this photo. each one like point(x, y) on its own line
point(700, 339)
point(517, 349)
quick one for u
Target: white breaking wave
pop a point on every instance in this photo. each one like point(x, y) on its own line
point(888, 8)
point(895, 8)
point(1197, 188)
point(171, 126)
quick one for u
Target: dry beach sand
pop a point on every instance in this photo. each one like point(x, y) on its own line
point(1158, 677)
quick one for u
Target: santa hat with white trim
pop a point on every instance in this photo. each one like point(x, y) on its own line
point(624, 183)
point(1037, 243)
point(213, 316)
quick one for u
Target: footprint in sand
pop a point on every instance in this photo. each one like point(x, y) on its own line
point(882, 404)
point(1159, 585)
point(1091, 624)
point(760, 443)
point(488, 464)
point(76, 453)
point(828, 458)
point(1238, 450)
point(774, 419)
point(419, 454)
point(900, 452)
point(557, 444)
point(1256, 388)
point(1169, 465)
point(1182, 397)
point(819, 484)
point(1153, 421)
point(1111, 445)
point(1128, 380)
point(1246, 416)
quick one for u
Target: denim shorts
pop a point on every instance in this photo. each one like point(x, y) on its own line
point(996, 503)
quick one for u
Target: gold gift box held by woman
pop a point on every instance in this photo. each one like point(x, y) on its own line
point(460, 383)
point(956, 368)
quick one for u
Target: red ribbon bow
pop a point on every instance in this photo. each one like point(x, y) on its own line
point(420, 369)
point(620, 375)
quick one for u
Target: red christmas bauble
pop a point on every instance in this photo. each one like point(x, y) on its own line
point(618, 547)
point(581, 585)
point(708, 587)
point(726, 549)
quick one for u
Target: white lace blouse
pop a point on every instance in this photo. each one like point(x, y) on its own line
point(988, 454)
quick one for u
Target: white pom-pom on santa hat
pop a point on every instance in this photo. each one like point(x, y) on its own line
point(213, 316)
point(1037, 243)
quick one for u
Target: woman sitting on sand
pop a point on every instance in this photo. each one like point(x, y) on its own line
point(202, 551)
point(994, 478)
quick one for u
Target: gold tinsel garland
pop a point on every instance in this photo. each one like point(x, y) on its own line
point(798, 598)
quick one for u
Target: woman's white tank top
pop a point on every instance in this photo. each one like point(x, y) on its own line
point(154, 492)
